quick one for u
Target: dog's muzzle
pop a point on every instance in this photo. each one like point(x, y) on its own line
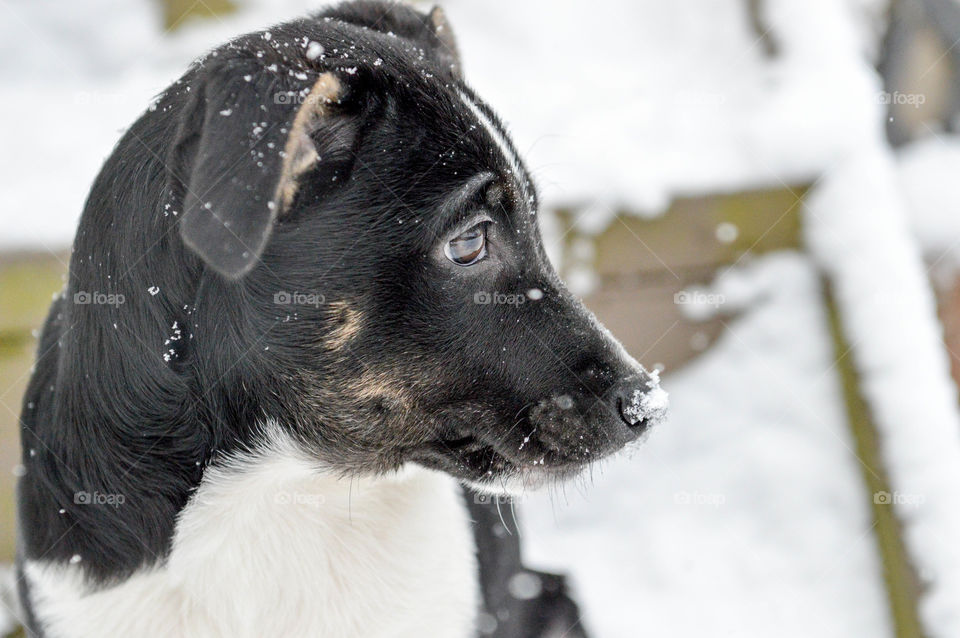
point(583, 427)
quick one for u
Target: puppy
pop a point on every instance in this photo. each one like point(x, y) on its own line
point(307, 302)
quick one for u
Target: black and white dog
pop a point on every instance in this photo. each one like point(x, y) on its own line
point(307, 302)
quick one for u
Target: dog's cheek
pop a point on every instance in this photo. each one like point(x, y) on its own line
point(370, 421)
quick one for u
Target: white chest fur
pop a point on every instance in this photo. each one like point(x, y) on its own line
point(269, 546)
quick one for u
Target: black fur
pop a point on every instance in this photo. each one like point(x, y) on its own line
point(394, 361)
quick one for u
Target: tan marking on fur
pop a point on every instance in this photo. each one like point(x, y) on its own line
point(349, 319)
point(299, 152)
point(379, 385)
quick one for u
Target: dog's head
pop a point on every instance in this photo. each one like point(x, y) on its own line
point(373, 275)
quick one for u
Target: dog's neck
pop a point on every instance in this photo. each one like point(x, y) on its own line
point(271, 545)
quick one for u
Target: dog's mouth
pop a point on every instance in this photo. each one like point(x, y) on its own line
point(483, 465)
point(495, 462)
point(554, 438)
point(470, 458)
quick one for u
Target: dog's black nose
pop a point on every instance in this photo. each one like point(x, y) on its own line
point(639, 401)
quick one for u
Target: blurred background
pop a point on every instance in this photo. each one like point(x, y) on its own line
point(760, 197)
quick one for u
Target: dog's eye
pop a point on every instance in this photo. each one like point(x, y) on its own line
point(469, 247)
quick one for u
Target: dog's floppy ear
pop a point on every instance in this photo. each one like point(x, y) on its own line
point(244, 142)
point(447, 43)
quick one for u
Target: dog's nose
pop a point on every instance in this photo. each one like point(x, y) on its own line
point(639, 401)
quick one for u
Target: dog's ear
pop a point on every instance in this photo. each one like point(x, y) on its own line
point(244, 142)
point(446, 42)
point(431, 30)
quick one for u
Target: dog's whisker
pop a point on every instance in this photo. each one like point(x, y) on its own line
point(513, 513)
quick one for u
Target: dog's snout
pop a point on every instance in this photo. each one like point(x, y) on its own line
point(639, 401)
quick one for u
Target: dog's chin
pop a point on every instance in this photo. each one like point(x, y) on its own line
point(517, 484)
point(486, 469)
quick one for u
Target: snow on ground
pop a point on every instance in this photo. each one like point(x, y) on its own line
point(744, 514)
